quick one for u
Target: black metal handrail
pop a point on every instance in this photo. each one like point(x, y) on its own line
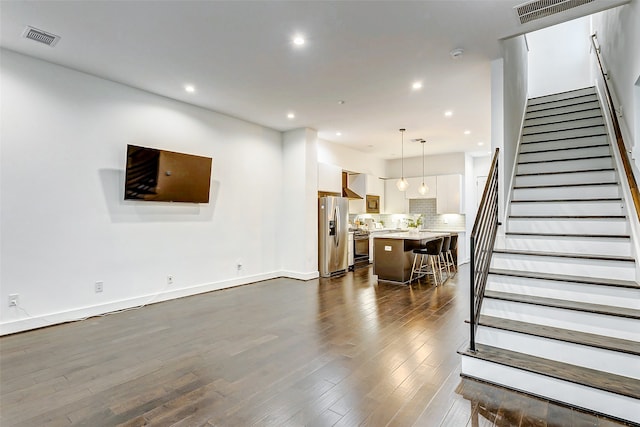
point(482, 239)
point(633, 186)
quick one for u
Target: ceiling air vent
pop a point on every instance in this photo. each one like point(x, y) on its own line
point(537, 9)
point(40, 36)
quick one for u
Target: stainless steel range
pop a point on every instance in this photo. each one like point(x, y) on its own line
point(361, 248)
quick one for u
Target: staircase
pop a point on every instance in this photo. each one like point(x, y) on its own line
point(561, 312)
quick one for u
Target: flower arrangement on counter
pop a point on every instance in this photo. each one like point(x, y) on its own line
point(415, 222)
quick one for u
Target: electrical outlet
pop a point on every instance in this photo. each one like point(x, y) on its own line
point(14, 300)
point(239, 264)
point(169, 280)
point(99, 287)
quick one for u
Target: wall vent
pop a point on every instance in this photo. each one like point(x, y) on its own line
point(537, 9)
point(40, 36)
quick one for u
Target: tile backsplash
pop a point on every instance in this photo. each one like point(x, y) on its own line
point(425, 207)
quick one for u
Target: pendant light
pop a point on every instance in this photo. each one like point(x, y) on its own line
point(402, 183)
point(423, 187)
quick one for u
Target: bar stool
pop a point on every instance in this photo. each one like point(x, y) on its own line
point(442, 256)
point(453, 246)
point(432, 250)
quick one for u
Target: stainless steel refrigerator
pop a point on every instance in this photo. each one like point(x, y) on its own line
point(333, 235)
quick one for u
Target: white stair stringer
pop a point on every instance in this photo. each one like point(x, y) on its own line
point(568, 392)
point(561, 312)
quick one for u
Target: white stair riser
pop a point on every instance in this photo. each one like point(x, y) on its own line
point(568, 178)
point(613, 362)
point(562, 96)
point(545, 112)
point(569, 291)
point(536, 105)
point(571, 245)
point(562, 391)
point(571, 266)
point(572, 124)
point(605, 226)
point(574, 153)
point(578, 115)
point(565, 134)
point(567, 193)
point(568, 208)
point(566, 166)
point(612, 326)
point(564, 143)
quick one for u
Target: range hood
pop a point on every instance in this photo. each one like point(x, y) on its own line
point(346, 191)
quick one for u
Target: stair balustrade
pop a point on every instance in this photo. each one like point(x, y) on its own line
point(482, 240)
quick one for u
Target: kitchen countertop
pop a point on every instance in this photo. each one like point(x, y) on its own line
point(405, 235)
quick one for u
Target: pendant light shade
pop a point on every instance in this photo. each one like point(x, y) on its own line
point(402, 183)
point(423, 189)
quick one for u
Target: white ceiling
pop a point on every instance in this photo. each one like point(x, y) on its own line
point(240, 57)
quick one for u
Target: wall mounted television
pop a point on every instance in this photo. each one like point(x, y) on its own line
point(166, 176)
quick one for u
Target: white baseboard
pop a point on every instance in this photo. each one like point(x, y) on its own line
point(50, 319)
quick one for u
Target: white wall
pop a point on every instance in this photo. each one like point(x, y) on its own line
point(515, 100)
point(349, 159)
point(618, 32)
point(64, 222)
point(440, 164)
point(559, 58)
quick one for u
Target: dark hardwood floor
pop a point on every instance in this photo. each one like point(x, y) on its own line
point(345, 351)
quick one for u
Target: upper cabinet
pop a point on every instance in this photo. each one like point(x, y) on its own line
point(329, 178)
point(414, 186)
point(395, 201)
point(449, 194)
point(364, 184)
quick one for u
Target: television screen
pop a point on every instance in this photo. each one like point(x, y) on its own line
point(166, 176)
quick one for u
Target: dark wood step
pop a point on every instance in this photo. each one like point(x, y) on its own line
point(566, 255)
point(567, 172)
point(607, 310)
point(585, 107)
point(552, 217)
point(551, 150)
point(601, 199)
point(600, 236)
point(559, 334)
point(612, 383)
point(566, 91)
point(579, 100)
point(564, 139)
point(564, 160)
point(585, 184)
point(566, 278)
point(594, 115)
point(563, 130)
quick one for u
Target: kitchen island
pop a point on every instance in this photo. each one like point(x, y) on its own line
point(393, 254)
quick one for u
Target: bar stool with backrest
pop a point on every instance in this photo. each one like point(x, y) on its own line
point(442, 256)
point(453, 247)
point(431, 250)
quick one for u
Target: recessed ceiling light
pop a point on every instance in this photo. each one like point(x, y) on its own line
point(298, 40)
point(370, 146)
point(416, 85)
point(456, 53)
point(291, 116)
point(480, 143)
point(190, 88)
point(338, 133)
point(467, 132)
point(341, 102)
point(448, 113)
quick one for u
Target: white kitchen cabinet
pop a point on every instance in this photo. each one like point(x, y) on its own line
point(395, 201)
point(329, 178)
point(414, 185)
point(449, 194)
point(462, 248)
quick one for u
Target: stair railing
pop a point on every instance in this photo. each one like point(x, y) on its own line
point(482, 240)
point(628, 171)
